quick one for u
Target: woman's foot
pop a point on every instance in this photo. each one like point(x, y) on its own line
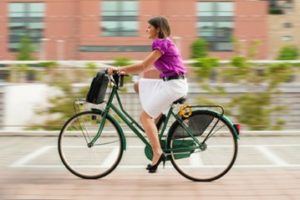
point(153, 168)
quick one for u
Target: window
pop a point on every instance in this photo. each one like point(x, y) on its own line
point(25, 19)
point(119, 18)
point(215, 24)
point(286, 38)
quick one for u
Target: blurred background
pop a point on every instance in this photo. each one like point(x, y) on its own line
point(241, 54)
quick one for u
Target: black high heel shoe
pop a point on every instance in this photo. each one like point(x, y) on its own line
point(148, 166)
point(153, 168)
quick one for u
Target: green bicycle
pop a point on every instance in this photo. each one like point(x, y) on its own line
point(200, 143)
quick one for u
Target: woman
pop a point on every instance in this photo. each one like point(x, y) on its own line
point(157, 95)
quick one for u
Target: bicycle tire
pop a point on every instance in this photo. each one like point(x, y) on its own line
point(90, 162)
point(208, 161)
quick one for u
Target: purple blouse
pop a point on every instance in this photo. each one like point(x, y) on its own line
point(170, 62)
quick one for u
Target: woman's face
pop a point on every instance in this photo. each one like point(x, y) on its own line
point(152, 32)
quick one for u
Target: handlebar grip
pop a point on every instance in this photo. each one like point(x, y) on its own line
point(122, 80)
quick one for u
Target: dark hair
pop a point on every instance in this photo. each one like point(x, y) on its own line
point(162, 24)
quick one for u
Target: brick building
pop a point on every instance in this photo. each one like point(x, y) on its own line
point(105, 29)
point(283, 25)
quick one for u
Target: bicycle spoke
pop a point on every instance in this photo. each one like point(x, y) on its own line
point(84, 160)
point(210, 134)
point(209, 159)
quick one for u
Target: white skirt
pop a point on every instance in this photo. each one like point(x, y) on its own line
point(157, 96)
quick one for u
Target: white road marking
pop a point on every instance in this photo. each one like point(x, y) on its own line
point(278, 162)
point(271, 156)
point(31, 156)
point(195, 160)
point(111, 158)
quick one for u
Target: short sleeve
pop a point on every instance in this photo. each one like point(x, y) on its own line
point(160, 45)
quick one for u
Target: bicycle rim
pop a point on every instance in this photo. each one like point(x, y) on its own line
point(84, 161)
point(211, 159)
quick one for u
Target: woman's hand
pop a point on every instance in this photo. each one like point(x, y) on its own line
point(112, 70)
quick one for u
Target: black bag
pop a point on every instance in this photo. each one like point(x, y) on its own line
point(98, 88)
point(197, 123)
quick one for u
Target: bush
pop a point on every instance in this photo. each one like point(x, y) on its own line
point(25, 49)
point(199, 48)
point(206, 65)
point(288, 53)
point(121, 62)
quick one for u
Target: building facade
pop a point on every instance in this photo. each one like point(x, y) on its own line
point(283, 26)
point(106, 29)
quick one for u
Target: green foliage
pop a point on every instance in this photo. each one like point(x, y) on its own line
point(48, 65)
point(254, 107)
point(19, 73)
point(205, 66)
point(91, 68)
point(278, 73)
point(60, 106)
point(240, 70)
point(25, 49)
point(245, 48)
point(252, 49)
point(118, 62)
point(288, 53)
point(199, 48)
point(239, 61)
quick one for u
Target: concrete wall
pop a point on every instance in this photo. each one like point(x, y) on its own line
point(22, 100)
point(20, 103)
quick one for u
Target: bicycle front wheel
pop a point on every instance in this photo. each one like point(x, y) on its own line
point(79, 156)
point(207, 155)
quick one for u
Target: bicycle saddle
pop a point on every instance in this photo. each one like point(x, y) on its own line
point(181, 100)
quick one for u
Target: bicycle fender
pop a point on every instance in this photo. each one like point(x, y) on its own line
point(227, 119)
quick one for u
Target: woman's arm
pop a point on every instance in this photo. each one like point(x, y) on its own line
point(139, 67)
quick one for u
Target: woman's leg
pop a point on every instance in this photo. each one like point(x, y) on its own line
point(136, 87)
point(151, 132)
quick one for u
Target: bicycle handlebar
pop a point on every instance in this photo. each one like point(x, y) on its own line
point(117, 78)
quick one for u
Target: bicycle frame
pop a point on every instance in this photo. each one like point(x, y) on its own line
point(138, 130)
point(131, 123)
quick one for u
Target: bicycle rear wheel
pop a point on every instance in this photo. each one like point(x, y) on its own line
point(83, 160)
point(210, 154)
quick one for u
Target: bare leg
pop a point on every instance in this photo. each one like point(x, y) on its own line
point(151, 132)
point(136, 87)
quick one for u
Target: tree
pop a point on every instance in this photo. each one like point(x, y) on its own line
point(25, 49)
point(22, 72)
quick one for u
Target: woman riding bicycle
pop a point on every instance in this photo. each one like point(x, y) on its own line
point(156, 95)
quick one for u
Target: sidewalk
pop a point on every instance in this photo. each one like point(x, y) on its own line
point(166, 184)
point(266, 168)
